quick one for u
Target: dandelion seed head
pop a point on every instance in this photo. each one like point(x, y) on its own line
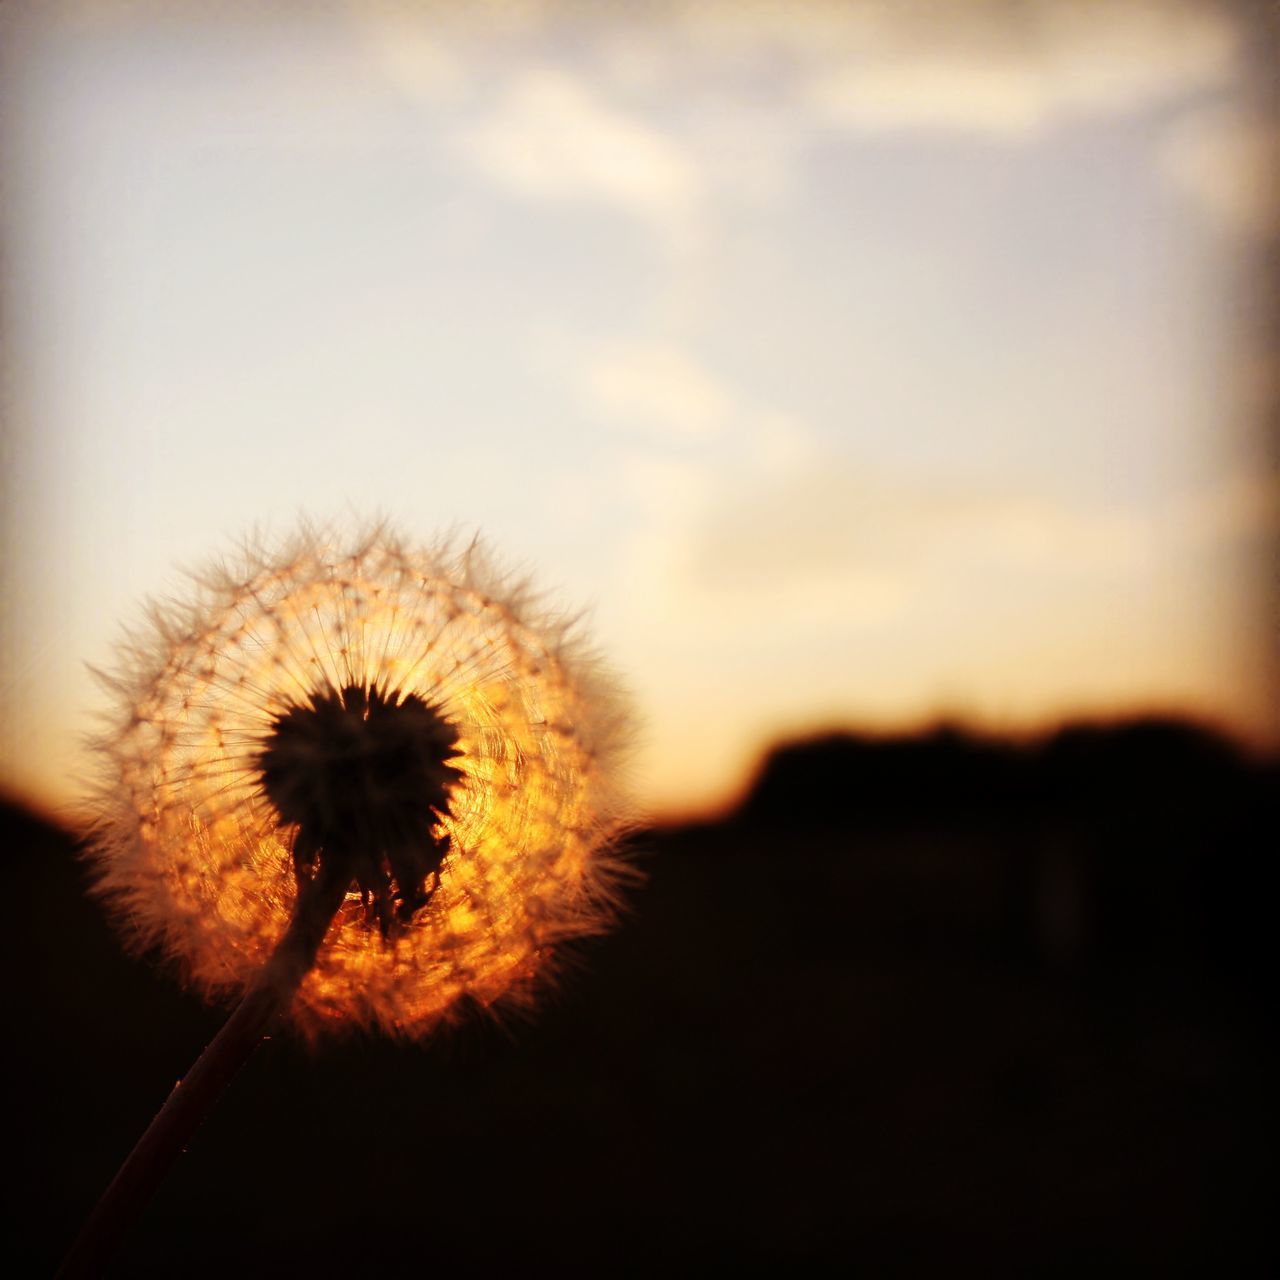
point(413, 710)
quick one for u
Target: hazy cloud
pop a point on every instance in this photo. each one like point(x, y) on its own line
point(832, 521)
point(551, 137)
point(409, 52)
point(657, 386)
point(1008, 72)
point(821, 544)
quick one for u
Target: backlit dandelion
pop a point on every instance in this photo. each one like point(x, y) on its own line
point(355, 784)
point(413, 719)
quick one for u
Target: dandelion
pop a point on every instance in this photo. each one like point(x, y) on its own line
point(358, 786)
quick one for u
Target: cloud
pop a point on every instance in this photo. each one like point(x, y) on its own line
point(785, 551)
point(931, 93)
point(1009, 73)
point(550, 138)
point(409, 52)
point(1227, 161)
point(831, 521)
point(657, 386)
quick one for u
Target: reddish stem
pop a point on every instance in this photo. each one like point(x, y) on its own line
point(193, 1097)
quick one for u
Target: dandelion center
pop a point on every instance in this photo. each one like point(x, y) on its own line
point(363, 776)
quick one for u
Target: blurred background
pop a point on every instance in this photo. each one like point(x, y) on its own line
point(861, 369)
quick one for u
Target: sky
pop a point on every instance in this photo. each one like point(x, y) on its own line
point(849, 364)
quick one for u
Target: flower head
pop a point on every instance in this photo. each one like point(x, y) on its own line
point(408, 721)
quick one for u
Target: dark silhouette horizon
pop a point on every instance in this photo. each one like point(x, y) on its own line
point(918, 1000)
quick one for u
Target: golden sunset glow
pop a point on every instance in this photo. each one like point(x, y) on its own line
point(854, 364)
point(194, 856)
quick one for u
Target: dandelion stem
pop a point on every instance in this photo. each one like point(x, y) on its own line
point(194, 1096)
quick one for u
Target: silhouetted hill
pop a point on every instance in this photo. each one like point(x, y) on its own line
point(973, 1006)
point(946, 775)
point(1150, 836)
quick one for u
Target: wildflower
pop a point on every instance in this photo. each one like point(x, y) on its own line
point(407, 731)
